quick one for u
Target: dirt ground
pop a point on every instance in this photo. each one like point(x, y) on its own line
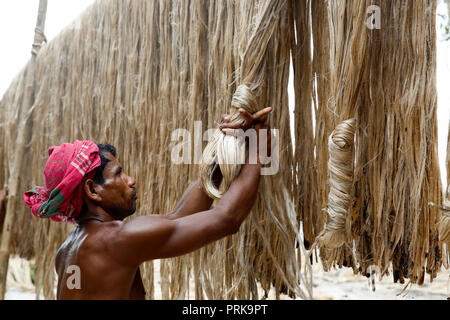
point(339, 284)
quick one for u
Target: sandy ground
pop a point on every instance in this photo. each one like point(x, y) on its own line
point(339, 284)
point(342, 284)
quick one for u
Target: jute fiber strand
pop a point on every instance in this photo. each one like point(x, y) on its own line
point(306, 187)
point(385, 80)
point(132, 72)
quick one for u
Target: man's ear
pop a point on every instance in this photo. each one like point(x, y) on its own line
point(90, 189)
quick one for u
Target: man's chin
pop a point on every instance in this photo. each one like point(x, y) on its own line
point(132, 211)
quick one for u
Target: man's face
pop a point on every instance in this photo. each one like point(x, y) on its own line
point(118, 192)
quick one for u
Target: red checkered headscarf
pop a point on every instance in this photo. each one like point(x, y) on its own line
point(68, 166)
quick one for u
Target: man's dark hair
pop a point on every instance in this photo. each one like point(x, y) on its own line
point(102, 148)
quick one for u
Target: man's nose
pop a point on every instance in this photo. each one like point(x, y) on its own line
point(131, 181)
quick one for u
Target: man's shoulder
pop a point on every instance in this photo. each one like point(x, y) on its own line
point(104, 232)
point(136, 230)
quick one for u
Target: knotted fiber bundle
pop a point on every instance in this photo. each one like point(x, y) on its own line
point(226, 151)
point(340, 176)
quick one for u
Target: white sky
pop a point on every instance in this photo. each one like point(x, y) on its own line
point(18, 20)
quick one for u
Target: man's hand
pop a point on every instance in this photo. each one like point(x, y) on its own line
point(3, 196)
point(250, 120)
point(258, 122)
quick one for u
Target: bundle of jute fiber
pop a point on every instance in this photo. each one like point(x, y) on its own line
point(225, 151)
point(131, 73)
point(333, 79)
point(368, 74)
point(337, 230)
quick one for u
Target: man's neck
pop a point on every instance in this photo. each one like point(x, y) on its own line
point(95, 214)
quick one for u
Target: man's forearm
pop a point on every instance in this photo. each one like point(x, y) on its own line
point(240, 197)
point(236, 202)
point(194, 200)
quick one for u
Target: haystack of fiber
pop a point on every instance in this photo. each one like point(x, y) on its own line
point(385, 79)
point(130, 73)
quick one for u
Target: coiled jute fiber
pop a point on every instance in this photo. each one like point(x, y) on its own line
point(340, 177)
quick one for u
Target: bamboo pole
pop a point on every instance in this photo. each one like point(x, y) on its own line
point(23, 136)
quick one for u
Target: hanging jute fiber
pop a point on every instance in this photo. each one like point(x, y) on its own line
point(131, 72)
point(384, 79)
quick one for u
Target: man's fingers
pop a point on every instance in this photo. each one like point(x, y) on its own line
point(230, 126)
point(225, 118)
point(232, 132)
point(261, 113)
point(3, 194)
point(248, 118)
point(5, 190)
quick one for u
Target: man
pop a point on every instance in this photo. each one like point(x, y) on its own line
point(104, 251)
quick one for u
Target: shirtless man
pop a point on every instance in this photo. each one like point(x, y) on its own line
point(108, 251)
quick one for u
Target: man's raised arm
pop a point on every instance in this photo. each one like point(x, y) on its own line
point(155, 237)
point(195, 198)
